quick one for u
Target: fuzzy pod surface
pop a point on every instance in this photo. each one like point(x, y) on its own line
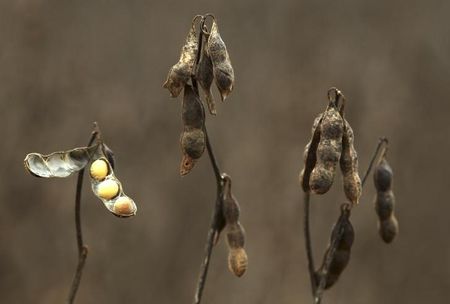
point(349, 166)
point(222, 68)
point(344, 234)
point(328, 151)
point(181, 72)
point(309, 154)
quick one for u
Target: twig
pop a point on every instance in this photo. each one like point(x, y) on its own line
point(308, 246)
point(82, 248)
point(219, 181)
point(382, 141)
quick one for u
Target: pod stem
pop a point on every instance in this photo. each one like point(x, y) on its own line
point(382, 146)
point(82, 248)
point(213, 229)
point(308, 246)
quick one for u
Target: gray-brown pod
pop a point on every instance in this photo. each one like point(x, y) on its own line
point(193, 142)
point(192, 113)
point(349, 166)
point(344, 234)
point(328, 151)
point(205, 77)
point(230, 206)
point(385, 201)
point(222, 68)
point(309, 154)
point(383, 176)
point(181, 72)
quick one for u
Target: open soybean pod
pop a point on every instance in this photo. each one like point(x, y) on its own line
point(349, 166)
point(181, 72)
point(328, 151)
point(109, 190)
point(337, 257)
point(222, 68)
point(59, 164)
point(309, 154)
point(205, 77)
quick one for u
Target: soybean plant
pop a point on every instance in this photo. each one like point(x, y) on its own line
point(332, 142)
point(204, 58)
point(104, 183)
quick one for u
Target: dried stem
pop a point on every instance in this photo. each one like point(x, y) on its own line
point(382, 143)
point(308, 246)
point(317, 289)
point(82, 248)
point(219, 181)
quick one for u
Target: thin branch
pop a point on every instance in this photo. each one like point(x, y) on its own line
point(308, 246)
point(217, 173)
point(383, 141)
point(82, 248)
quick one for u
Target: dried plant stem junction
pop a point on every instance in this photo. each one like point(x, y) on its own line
point(82, 248)
point(317, 287)
point(213, 229)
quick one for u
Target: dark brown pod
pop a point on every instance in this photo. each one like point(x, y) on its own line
point(181, 72)
point(383, 176)
point(349, 166)
point(235, 236)
point(309, 154)
point(186, 165)
point(384, 204)
point(328, 151)
point(343, 236)
point(205, 77)
point(222, 68)
point(388, 229)
point(220, 225)
point(192, 110)
point(230, 206)
point(193, 143)
point(238, 261)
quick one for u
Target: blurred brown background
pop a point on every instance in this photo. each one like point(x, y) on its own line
point(65, 64)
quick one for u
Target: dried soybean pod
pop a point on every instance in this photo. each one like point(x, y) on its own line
point(205, 76)
point(220, 225)
point(238, 261)
point(193, 143)
point(235, 236)
point(222, 68)
point(349, 166)
point(388, 229)
point(385, 201)
point(328, 151)
point(230, 206)
point(309, 154)
point(192, 109)
point(384, 204)
point(181, 72)
point(383, 175)
point(343, 236)
point(186, 165)
point(59, 164)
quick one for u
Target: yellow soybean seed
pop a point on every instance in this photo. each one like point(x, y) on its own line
point(99, 169)
point(108, 189)
point(124, 206)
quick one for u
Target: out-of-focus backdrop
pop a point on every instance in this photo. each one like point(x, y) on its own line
point(65, 64)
